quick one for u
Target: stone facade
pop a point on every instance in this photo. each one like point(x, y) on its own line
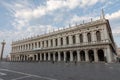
point(92, 41)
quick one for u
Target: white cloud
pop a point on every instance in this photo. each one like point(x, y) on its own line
point(115, 15)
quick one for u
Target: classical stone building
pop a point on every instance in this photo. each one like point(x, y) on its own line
point(92, 41)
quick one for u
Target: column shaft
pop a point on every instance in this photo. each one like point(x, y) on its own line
point(71, 56)
point(86, 56)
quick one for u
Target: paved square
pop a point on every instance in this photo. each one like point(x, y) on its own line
point(58, 71)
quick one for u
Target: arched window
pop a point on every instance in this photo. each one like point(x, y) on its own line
point(61, 40)
point(47, 43)
point(81, 38)
point(74, 40)
point(56, 42)
point(42, 43)
point(89, 37)
point(39, 44)
point(51, 41)
point(35, 44)
point(67, 40)
point(98, 36)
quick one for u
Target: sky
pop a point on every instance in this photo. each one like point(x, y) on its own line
point(20, 19)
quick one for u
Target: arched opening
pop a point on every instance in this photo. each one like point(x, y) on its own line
point(91, 55)
point(38, 56)
point(74, 39)
point(42, 43)
point(61, 40)
point(25, 58)
point(74, 56)
point(98, 36)
point(34, 57)
point(47, 43)
point(81, 38)
point(67, 40)
point(89, 37)
point(62, 56)
point(51, 41)
point(67, 56)
point(56, 56)
point(46, 56)
point(51, 56)
point(101, 56)
point(56, 42)
point(42, 57)
point(30, 58)
point(82, 55)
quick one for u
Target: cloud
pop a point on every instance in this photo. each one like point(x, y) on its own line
point(115, 15)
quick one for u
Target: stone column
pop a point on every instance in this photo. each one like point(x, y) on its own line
point(70, 40)
point(49, 43)
point(85, 40)
point(27, 57)
point(78, 55)
point(71, 55)
point(34, 45)
point(102, 34)
point(59, 57)
point(95, 55)
point(53, 56)
point(109, 55)
point(53, 42)
point(64, 56)
point(59, 41)
point(24, 58)
point(44, 56)
point(33, 57)
point(45, 44)
point(77, 39)
point(40, 57)
point(86, 56)
point(36, 57)
point(37, 44)
point(64, 40)
point(48, 56)
point(93, 36)
point(106, 34)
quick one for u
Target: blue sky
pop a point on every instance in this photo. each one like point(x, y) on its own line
point(25, 18)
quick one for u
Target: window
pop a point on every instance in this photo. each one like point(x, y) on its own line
point(42, 43)
point(67, 40)
point(89, 37)
point(81, 38)
point(61, 40)
point(74, 39)
point(47, 43)
point(51, 41)
point(56, 42)
point(98, 36)
point(39, 44)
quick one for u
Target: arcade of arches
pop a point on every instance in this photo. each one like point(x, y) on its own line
point(92, 55)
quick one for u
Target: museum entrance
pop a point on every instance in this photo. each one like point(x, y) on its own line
point(67, 56)
point(82, 55)
point(91, 55)
point(101, 56)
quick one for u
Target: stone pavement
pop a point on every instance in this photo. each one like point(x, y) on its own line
point(58, 71)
